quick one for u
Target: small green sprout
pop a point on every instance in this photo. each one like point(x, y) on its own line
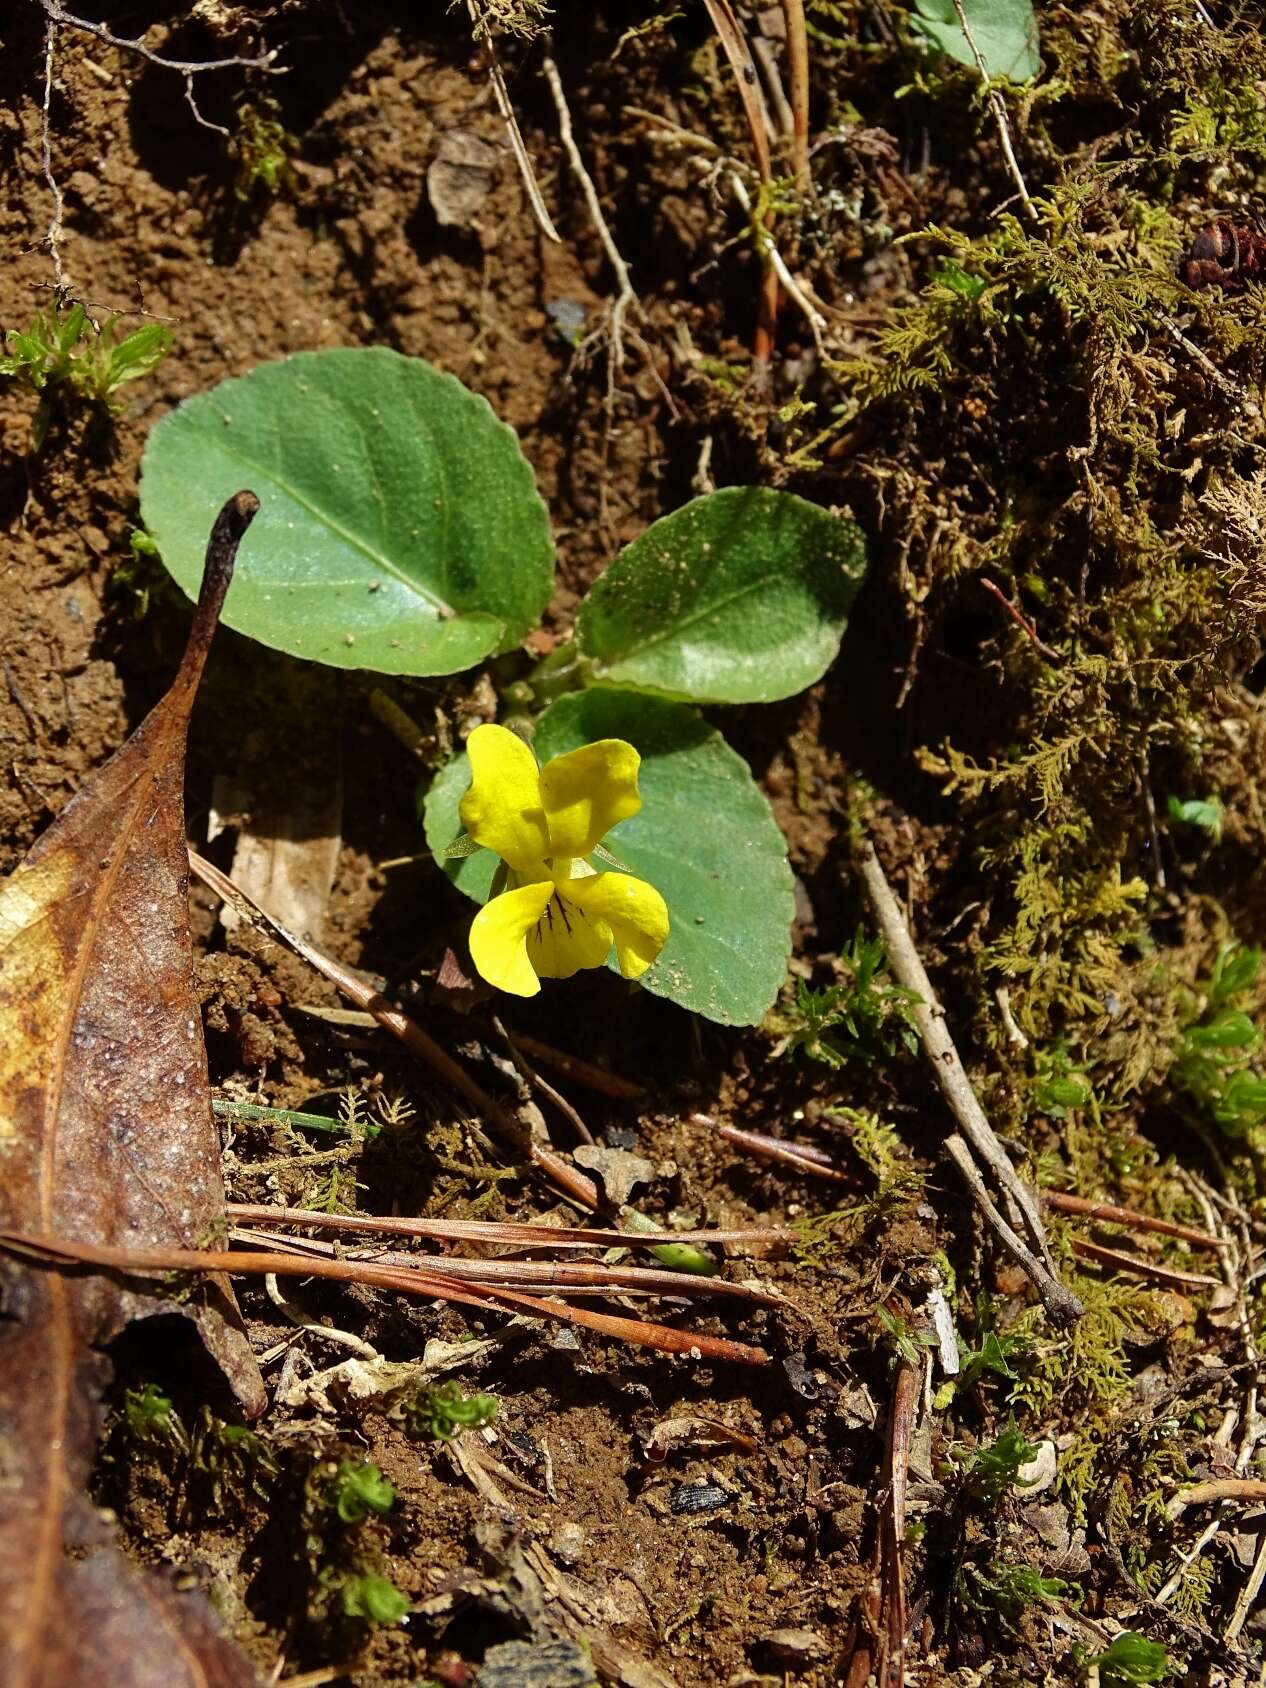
point(863, 1019)
point(1130, 1659)
point(69, 352)
point(1005, 1592)
point(996, 1468)
point(262, 149)
point(151, 1417)
point(372, 1598)
point(442, 1411)
point(358, 1490)
point(1213, 1060)
point(1204, 812)
point(909, 1344)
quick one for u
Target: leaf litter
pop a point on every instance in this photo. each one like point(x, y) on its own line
point(106, 1136)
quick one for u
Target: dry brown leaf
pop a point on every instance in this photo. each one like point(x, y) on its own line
point(106, 1136)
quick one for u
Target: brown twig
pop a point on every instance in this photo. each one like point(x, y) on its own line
point(58, 1251)
point(800, 1155)
point(997, 106)
point(929, 1017)
point(482, 34)
point(734, 46)
point(1022, 622)
point(1217, 1488)
point(573, 1183)
point(188, 68)
point(489, 1231)
point(1138, 1267)
point(528, 1073)
point(1114, 1215)
point(905, 1400)
point(798, 63)
point(554, 1277)
point(580, 1072)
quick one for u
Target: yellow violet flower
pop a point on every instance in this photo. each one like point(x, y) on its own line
point(557, 913)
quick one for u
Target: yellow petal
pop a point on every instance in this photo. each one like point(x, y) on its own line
point(635, 912)
point(567, 937)
point(586, 792)
point(502, 810)
point(498, 937)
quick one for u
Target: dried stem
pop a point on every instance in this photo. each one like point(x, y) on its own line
point(929, 1017)
point(502, 96)
point(508, 1127)
point(53, 237)
point(1153, 1270)
point(187, 68)
point(500, 1233)
point(534, 1081)
point(1114, 1215)
point(798, 63)
point(997, 106)
point(58, 1251)
point(734, 45)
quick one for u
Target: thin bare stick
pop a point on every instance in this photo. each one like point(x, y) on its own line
point(798, 63)
point(1022, 622)
point(1217, 1488)
point(1114, 1215)
point(569, 1179)
point(58, 1251)
point(626, 298)
point(528, 1073)
point(800, 1155)
point(734, 45)
point(501, 1233)
point(53, 236)
point(1237, 396)
point(1138, 1267)
point(997, 106)
point(1062, 1305)
point(580, 1072)
point(892, 1642)
point(1248, 1597)
point(817, 322)
point(561, 1277)
point(929, 1017)
point(187, 68)
point(502, 96)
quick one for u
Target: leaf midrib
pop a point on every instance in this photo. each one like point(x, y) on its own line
point(680, 626)
point(443, 610)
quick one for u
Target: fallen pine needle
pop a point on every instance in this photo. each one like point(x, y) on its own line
point(494, 1231)
point(57, 1251)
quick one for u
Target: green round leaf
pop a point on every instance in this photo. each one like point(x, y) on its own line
point(705, 838)
point(739, 597)
point(400, 528)
point(1005, 31)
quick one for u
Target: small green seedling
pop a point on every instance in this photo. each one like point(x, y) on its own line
point(151, 1417)
point(65, 351)
point(862, 1019)
point(372, 1598)
point(358, 1490)
point(908, 1344)
point(1204, 812)
point(1004, 1593)
point(441, 1411)
point(1214, 1058)
point(995, 1470)
point(262, 148)
point(1129, 1660)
